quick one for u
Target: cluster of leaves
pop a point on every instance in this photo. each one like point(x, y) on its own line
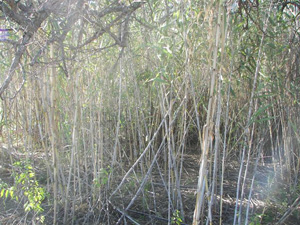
point(5, 191)
point(25, 186)
point(30, 187)
point(263, 218)
point(176, 219)
point(102, 178)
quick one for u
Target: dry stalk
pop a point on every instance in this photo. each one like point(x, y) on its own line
point(248, 136)
point(208, 128)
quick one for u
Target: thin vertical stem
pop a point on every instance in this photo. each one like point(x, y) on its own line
point(52, 127)
point(73, 149)
point(208, 128)
point(250, 110)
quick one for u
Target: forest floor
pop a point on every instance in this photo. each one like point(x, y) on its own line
point(271, 197)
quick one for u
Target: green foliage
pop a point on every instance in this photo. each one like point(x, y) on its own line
point(256, 220)
point(263, 218)
point(102, 177)
point(176, 218)
point(6, 191)
point(25, 181)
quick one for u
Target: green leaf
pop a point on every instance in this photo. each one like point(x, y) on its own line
point(29, 167)
point(176, 14)
point(159, 80)
point(6, 193)
point(27, 207)
point(31, 174)
point(11, 193)
point(2, 193)
point(261, 110)
point(232, 92)
point(272, 21)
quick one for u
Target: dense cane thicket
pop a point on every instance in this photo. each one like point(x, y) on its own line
point(149, 112)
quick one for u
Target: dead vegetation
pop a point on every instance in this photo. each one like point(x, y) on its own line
point(149, 112)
